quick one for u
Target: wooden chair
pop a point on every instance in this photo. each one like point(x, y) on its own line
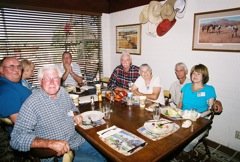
point(203, 140)
point(167, 97)
point(35, 154)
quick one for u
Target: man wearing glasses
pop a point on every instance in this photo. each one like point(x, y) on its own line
point(12, 92)
point(46, 120)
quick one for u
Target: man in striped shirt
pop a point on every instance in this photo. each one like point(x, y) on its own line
point(123, 74)
point(71, 71)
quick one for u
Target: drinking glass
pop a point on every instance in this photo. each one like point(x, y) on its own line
point(106, 111)
point(156, 113)
point(142, 101)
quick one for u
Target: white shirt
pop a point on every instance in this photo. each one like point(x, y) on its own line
point(175, 91)
point(155, 82)
point(70, 80)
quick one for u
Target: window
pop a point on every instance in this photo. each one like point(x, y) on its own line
point(42, 37)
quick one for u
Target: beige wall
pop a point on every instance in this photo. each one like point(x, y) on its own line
point(163, 52)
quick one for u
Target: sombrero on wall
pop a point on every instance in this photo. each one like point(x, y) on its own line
point(165, 26)
point(168, 11)
point(154, 12)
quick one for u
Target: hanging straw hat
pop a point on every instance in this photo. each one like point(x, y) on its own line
point(165, 26)
point(154, 12)
point(180, 8)
point(151, 30)
point(168, 11)
point(143, 17)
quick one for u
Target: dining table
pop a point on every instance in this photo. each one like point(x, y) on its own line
point(131, 118)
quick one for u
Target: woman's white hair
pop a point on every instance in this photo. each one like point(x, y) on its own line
point(49, 67)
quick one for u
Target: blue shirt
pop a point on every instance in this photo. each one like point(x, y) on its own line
point(25, 84)
point(47, 118)
point(12, 96)
point(197, 99)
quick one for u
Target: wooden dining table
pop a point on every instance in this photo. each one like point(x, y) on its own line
point(130, 118)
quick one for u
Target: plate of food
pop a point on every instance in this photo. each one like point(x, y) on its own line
point(172, 112)
point(150, 107)
point(94, 115)
point(158, 127)
point(119, 95)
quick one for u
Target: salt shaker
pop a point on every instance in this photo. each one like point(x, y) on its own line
point(92, 100)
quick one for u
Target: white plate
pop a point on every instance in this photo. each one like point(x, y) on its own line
point(152, 127)
point(171, 112)
point(95, 115)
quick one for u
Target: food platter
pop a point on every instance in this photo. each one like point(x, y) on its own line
point(158, 127)
point(119, 95)
point(171, 112)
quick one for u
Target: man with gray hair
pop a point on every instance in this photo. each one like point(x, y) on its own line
point(123, 74)
point(46, 120)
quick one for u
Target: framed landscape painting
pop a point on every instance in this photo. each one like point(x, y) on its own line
point(217, 30)
point(128, 37)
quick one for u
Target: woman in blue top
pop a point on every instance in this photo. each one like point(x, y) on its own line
point(198, 94)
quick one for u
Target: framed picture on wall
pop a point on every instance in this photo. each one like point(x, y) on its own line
point(217, 30)
point(128, 37)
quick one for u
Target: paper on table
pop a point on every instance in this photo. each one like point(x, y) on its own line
point(87, 88)
point(121, 140)
point(109, 131)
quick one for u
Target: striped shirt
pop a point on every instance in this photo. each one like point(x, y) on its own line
point(120, 78)
point(76, 69)
point(44, 117)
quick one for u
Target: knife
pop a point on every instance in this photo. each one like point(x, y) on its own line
point(133, 149)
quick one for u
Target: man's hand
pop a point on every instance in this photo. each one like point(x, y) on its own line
point(60, 146)
point(217, 106)
point(78, 119)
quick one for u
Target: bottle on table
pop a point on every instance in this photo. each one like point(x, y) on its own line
point(129, 98)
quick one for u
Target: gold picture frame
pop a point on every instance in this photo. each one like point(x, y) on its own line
point(128, 37)
point(213, 31)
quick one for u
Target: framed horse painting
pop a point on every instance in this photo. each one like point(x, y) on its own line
point(217, 31)
point(128, 37)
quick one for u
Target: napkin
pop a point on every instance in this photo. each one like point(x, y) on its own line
point(187, 114)
point(186, 124)
point(109, 131)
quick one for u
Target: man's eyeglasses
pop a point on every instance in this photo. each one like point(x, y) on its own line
point(12, 67)
point(47, 79)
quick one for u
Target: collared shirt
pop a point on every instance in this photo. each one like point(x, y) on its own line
point(175, 91)
point(47, 118)
point(25, 84)
point(120, 78)
point(148, 89)
point(76, 69)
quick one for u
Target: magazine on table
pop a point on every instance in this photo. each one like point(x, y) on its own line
point(121, 140)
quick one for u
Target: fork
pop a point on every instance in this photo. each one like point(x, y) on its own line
point(108, 130)
point(92, 123)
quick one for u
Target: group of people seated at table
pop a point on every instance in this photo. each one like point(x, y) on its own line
point(42, 118)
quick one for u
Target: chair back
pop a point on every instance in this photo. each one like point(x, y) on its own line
point(6, 123)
